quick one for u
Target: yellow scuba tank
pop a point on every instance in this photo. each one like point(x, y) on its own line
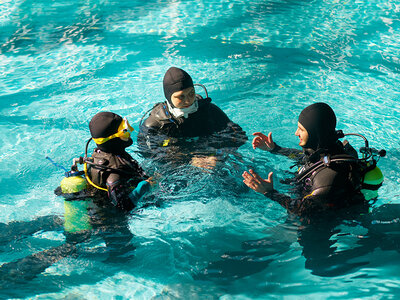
point(372, 176)
point(76, 216)
point(372, 181)
point(73, 184)
point(73, 188)
point(75, 208)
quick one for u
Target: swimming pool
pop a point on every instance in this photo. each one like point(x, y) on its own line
point(262, 62)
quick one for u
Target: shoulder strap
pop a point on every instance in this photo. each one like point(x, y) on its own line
point(325, 163)
point(203, 101)
point(161, 113)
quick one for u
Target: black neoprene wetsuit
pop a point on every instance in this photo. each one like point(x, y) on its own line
point(207, 129)
point(119, 183)
point(327, 180)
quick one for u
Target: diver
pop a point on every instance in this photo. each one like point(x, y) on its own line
point(111, 181)
point(187, 121)
point(112, 173)
point(331, 177)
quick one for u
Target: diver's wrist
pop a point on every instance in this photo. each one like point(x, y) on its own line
point(275, 149)
point(270, 193)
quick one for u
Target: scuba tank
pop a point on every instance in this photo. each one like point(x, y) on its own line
point(372, 181)
point(369, 174)
point(372, 177)
point(73, 187)
point(76, 216)
point(73, 184)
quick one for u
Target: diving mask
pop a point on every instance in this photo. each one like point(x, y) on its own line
point(124, 131)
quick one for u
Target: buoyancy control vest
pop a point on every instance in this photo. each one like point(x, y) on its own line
point(108, 167)
point(341, 177)
point(337, 178)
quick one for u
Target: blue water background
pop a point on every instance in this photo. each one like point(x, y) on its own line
point(61, 62)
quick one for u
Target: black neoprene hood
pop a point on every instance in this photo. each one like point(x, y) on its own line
point(104, 124)
point(176, 80)
point(320, 122)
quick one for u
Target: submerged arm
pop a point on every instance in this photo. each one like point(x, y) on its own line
point(224, 132)
point(122, 196)
point(232, 136)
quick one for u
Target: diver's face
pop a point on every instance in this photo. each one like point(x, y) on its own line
point(184, 98)
point(302, 133)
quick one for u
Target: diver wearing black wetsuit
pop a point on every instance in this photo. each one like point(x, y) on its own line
point(113, 169)
point(175, 121)
point(329, 178)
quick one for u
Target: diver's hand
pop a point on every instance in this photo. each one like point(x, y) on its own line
point(205, 162)
point(263, 142)
point(255, 182)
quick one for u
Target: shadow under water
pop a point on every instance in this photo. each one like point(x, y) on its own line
point(83, 223)
point(333, 245)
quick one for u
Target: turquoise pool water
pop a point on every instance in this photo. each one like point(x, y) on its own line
point(208, 238)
